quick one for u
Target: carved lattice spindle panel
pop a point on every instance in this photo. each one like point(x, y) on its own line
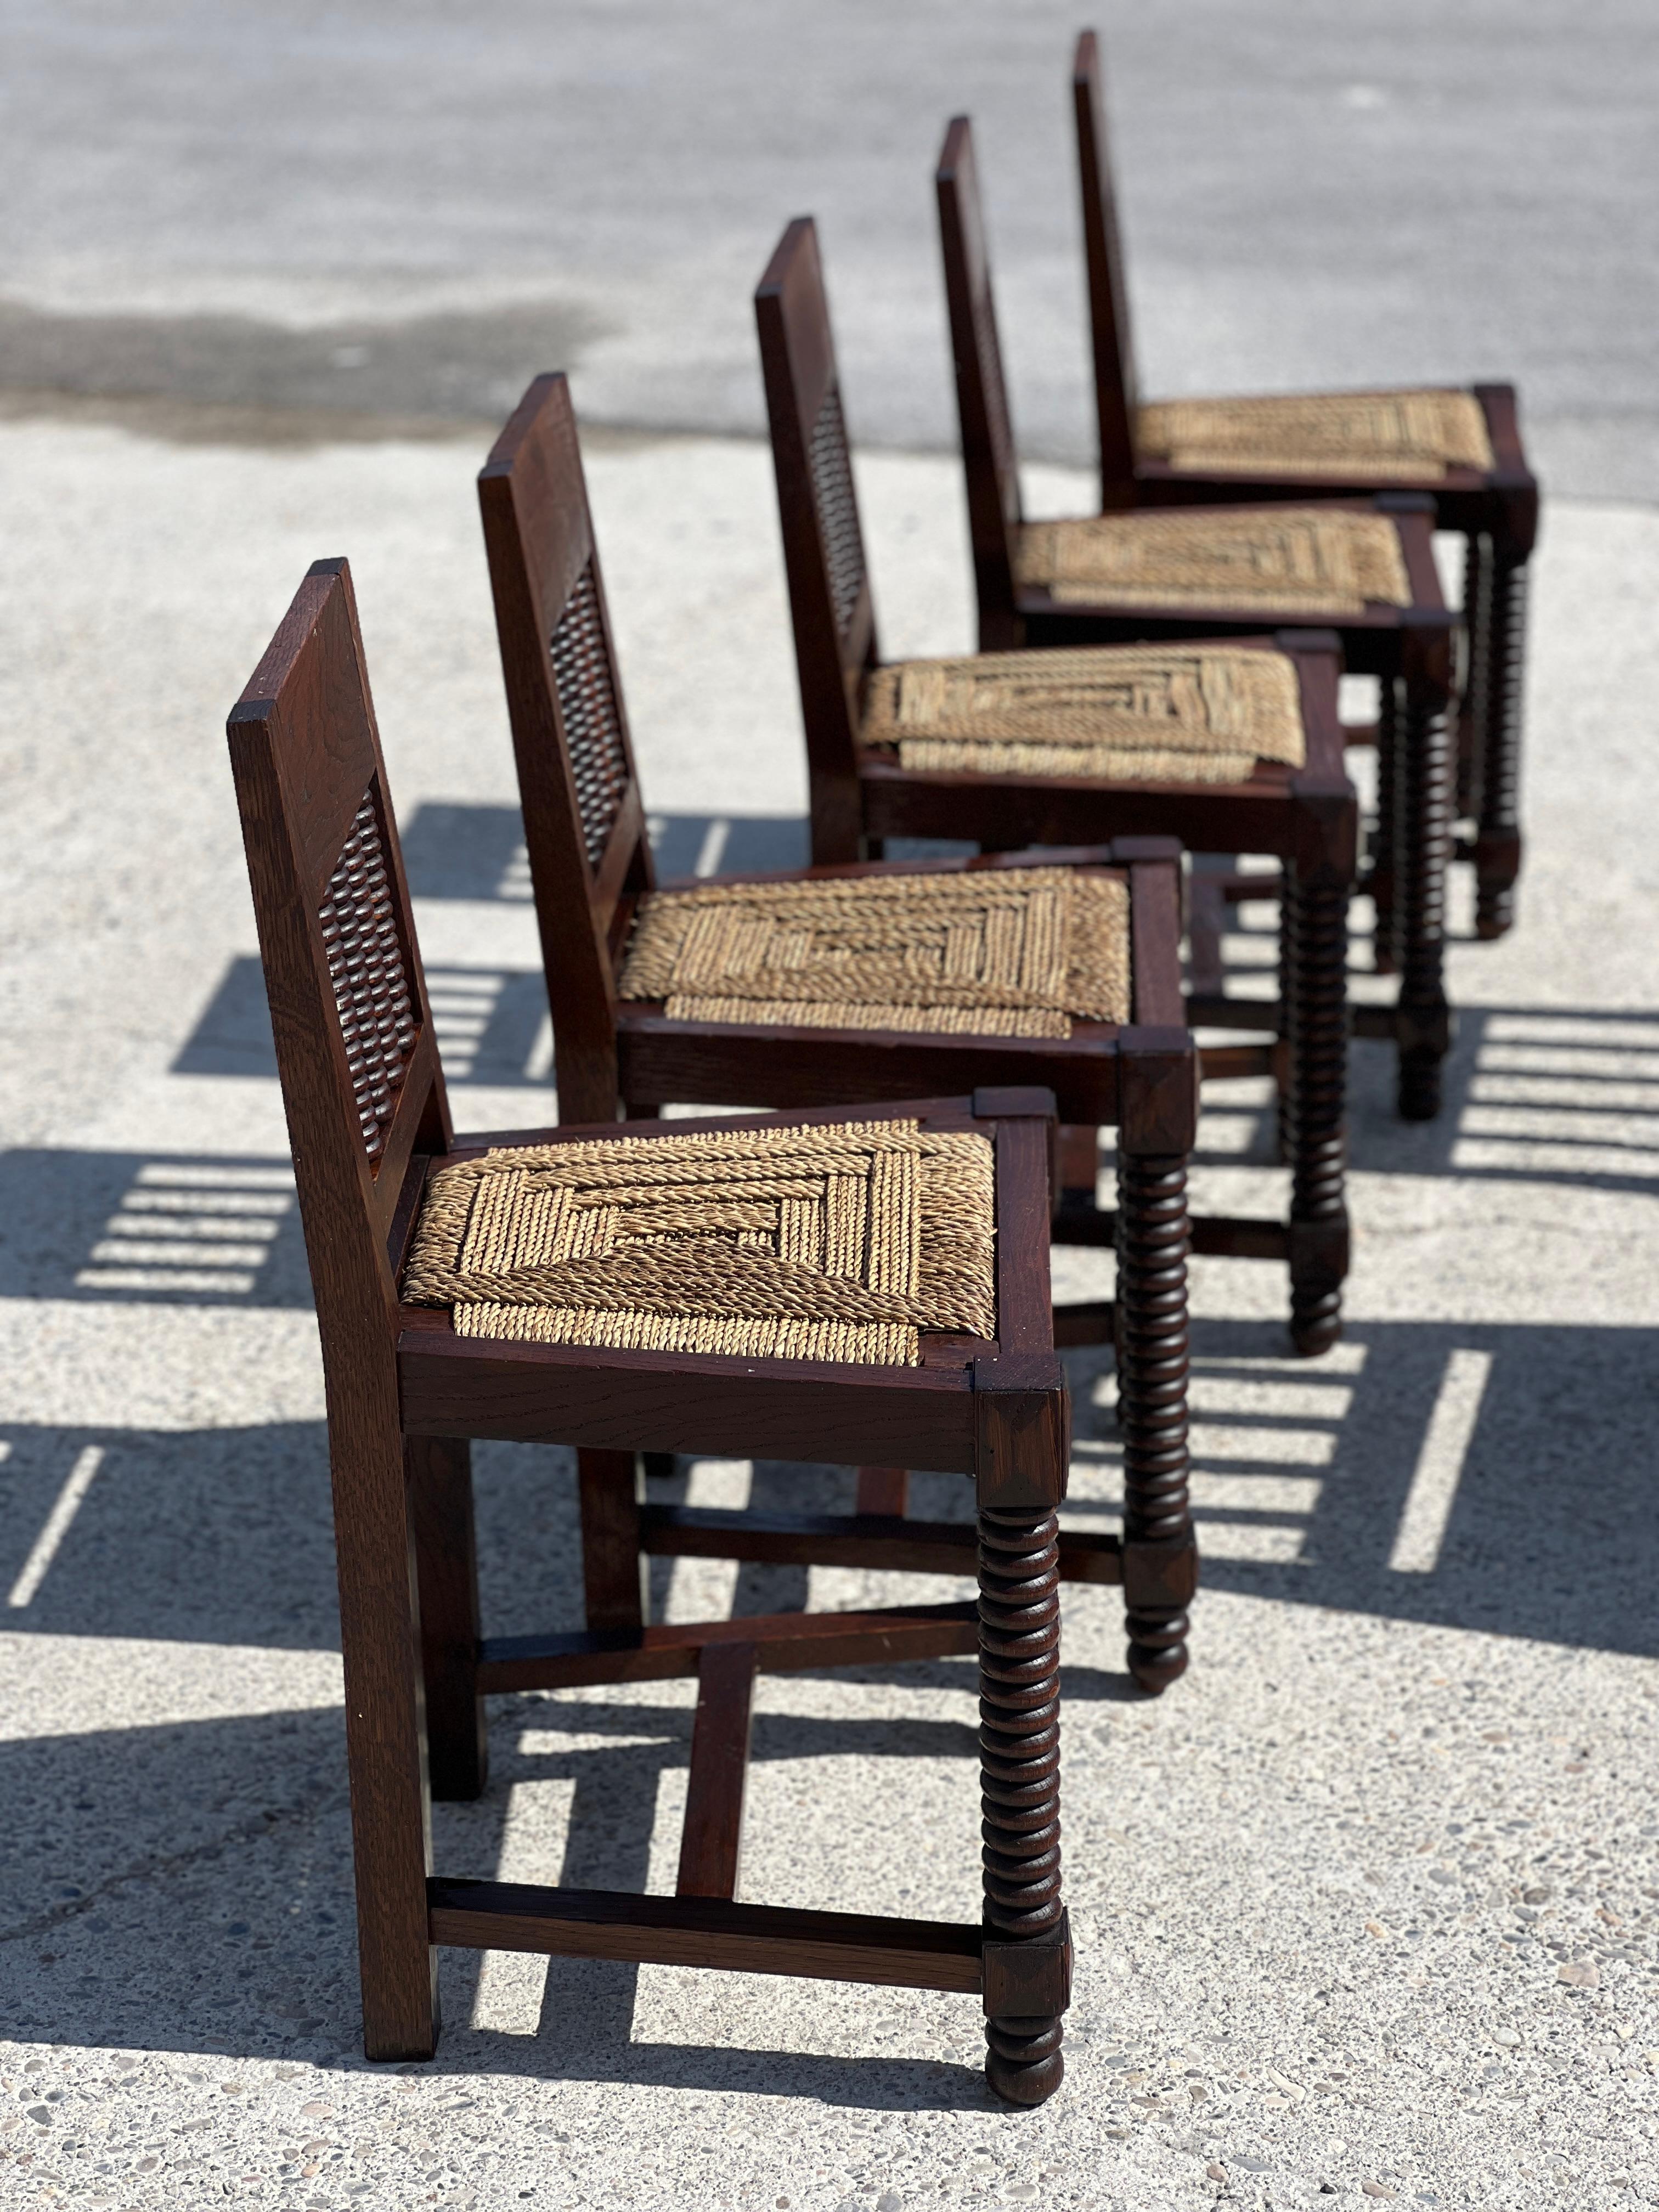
point(838, 516)
point(593, 719)
point(373, 990)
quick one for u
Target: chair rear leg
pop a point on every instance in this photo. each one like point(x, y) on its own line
point(1078, 1163)
point(385, 1747)
point(1317, 1018)
point(614, 1568)
point(1497, 839)
point(439, 1470)
point(1028, 1952)
point(1423, 838)
point(1159, 1556)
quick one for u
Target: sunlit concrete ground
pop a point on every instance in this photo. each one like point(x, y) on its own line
point(1368, 1900)
point(1365, 1905)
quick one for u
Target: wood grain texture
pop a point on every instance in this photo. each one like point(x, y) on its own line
point(694, 1931)
point(711, 1836)
point(785, 1643)
point(440, 1477)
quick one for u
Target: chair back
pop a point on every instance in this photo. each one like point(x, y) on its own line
point(361, 1082)
point(830, 597)
point(988, 458)
point(583, 817)
point(1115, 392)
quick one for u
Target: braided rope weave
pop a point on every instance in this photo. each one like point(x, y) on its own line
point(1002, 952)
point(1385, 437)
point(839, 1241)
point(1288, 560)
point(1166, 714)
point(373, 991)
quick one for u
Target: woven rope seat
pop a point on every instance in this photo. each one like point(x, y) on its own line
point(1384, 437)
point(1170, 713)
point(1293, 560)
point(989, 952)
point(839, 1242)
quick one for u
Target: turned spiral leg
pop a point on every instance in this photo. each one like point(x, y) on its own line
point(1423, 794)
point(1316, 1020)
point(1151, 1398)
point(1019, 1774)
point(1285, 1064)
point(1381, 877)
point(1497, 841)
point(1472, 710)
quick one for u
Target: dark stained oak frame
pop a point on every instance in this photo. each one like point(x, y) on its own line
point(406, 1395)
point(1495, 511)
point(1410, 648)
point(589, 862)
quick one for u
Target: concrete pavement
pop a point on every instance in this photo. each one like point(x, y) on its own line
point(1366, 1906)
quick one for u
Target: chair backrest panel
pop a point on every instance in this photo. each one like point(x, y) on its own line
point(362, 1084)
point(1115, 392)
point(584, 822)
point(830, 602)
point(989, 455)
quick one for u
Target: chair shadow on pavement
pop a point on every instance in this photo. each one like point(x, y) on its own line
point(186, 1883)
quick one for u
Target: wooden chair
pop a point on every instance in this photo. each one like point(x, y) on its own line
point(1035, 748)
point(1461, 449)
point(490, 1287)
point(649, 1008)
point(1365, 567)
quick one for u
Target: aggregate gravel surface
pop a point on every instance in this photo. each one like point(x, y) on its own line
point(1365, 1906)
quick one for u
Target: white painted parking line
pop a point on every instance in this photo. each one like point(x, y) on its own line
point(67, 1505)
point(1429, 1502)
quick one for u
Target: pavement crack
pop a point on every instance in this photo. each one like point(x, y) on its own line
point(158, 1867)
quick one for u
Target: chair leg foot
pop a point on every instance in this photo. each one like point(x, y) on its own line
point(1421, 1089)
point(1316, 1320)
point(1154, 1666)
point(1023, 2061)
point(1494, 914)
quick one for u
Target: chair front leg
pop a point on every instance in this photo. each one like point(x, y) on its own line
point(1380, 878)
point(1422, 798)
point(1027, 1957)
point(1159, 1555)
point(1472, 708)
point(1316, 1018)
point(1498, 839)
point(1284, 1060)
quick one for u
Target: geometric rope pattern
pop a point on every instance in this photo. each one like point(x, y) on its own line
point(587, 707)
point(831, 470)
point(373, 991)
point(1146, 712)
point(1364, 436)
point(986, 953)
point(837, 1241)
point(1271, 561)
